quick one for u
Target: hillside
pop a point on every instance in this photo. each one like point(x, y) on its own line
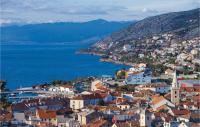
point(159, 39)
point(184, 25)
point(60, 32)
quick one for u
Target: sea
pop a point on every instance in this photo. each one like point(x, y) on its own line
point(25, 65)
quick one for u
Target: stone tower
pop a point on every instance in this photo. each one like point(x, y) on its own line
point(146, 118)
point(175, 97)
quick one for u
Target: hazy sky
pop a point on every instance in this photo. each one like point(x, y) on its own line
point(36, 11)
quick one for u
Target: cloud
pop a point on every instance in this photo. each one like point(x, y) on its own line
point(83, 10)
point(145, 10)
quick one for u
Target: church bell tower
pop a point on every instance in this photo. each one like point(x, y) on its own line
point(175, 97)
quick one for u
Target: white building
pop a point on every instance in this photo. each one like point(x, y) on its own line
point(127, 48)
point(158, 88)
point(146, 118)
point(138, 78)
point(81, 101)
point(68, 89)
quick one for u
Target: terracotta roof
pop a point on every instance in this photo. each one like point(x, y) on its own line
point(195, 125)
point(190, 89)
point(100, 86)
point(88, 96)
point(168, 96)
point(119, 101)
point(196, 98)
point(46, 114)
point(180, 112)
point(5, 116)
point(67, 86)
point(157, 99)
point(128, 124)
point(97, 123)
point(154, 85)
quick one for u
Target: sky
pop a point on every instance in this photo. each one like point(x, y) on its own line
point(43, 11)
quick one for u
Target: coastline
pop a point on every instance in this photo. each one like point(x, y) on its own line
point(105, 59)
point(116, 62)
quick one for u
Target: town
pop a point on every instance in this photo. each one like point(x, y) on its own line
point(134, 97)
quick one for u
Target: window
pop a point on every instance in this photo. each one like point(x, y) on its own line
point(175, 92)
point(175, 96)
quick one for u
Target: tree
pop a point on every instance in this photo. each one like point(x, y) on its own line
point(3, 99)
point(2, 85)
point(101, 102)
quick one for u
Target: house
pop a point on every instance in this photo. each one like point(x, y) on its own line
point(121, 103)
point(5, 116)
point(138, 78)
point(47, 116)
point(169, 72)
point(138, 74)
point(155, 87)
point(99, 122)
point(19, 116)
point(180, 113)
point(159, 101)
point(83, 100)
point(85, 117)
point(66, 89)
point(66, 122)
point(189, 83)
point(146, 118)
point(127, 48)
point(98, 85)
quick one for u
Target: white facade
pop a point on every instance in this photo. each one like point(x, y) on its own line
point(127, 48)
point(158, 88)
point(145, 118)
point(76, 104)
point(139, 78)
point(62, 89)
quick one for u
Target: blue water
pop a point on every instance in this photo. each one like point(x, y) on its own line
point(25, 65)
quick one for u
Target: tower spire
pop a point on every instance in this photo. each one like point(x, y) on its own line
point(175, 82)
point(175, 97)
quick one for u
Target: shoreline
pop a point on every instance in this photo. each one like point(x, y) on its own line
point(104, 59)
point(116, 62)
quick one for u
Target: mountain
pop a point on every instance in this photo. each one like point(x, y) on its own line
point(184, 25)
point(59, 32)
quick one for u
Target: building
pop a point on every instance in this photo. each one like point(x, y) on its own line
point(46, 116)
point(138, 78)
point(67, 89)
point(146, 118)
point(138, 74)
point(85, 117)
point(127, 48)
point(98, 85)
point(159, 102)
point(155, 87)
point(81, 101)
point(175, 97)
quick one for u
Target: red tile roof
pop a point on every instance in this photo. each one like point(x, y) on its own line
point(46, 114)
point(89, 96)
point(180, 112)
